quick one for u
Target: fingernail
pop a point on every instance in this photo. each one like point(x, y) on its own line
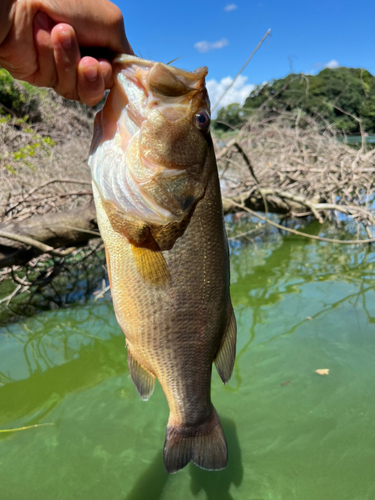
point(91, 73)
point(42, 21)
point(66, 39)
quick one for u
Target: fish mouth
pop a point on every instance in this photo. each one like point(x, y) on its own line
point(150, 85)
point(160, 78)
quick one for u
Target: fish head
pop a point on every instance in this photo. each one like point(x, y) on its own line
point(151, 140)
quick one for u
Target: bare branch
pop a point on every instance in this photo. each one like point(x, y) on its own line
point(305, 235)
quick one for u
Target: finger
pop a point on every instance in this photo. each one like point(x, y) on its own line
point(90, 85)
point(46, 75)
point(67, 56)
point(107, 73)
point(106, 27)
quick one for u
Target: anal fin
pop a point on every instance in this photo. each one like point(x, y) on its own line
point(143, 380)
point(225, 358)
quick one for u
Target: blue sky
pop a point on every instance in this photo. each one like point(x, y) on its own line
point(305, 34)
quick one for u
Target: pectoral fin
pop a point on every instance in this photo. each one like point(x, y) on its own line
point(151, 265)
point(143, 380)
point(224, 360)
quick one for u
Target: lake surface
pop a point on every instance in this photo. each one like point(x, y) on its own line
point(292, 434)
point(357, 139)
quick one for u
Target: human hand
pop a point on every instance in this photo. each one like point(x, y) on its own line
point(40, 43)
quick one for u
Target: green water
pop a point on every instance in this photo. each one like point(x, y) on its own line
point(357, 139)
point(292, 434)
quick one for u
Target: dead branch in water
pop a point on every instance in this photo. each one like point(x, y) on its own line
point(290, 165)
point(300, 233)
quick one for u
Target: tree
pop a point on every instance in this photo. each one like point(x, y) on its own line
point(333, 94)
point(233, 116)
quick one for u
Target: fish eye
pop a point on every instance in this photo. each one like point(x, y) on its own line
point(202, 120)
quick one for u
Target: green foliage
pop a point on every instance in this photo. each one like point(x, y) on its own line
point(19, 98)
point(21, 107)
point(230, 117)
point(330, 94)
point(32, 143)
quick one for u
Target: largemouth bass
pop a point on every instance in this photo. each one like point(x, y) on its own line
point(159, 211)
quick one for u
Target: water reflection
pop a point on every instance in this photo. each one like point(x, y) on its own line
point(262, 275)
point(266, 276)
point(38, 394)
point(48, 359)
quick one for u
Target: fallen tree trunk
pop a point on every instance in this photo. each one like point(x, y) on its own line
point(31, 237)
point(21, 241)
point(260, 201)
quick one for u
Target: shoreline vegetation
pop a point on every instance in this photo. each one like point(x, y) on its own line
point(279, 154)
point(342, 97)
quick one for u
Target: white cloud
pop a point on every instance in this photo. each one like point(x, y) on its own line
point(230, 7)
point(238, 93)
point(332, 64)
point(206, 46)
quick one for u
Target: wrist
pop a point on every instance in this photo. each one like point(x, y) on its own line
point(5, 18)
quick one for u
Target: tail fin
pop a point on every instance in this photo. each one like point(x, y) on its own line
point(205, 445)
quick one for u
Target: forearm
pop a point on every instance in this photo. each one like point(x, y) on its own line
point(5, 18)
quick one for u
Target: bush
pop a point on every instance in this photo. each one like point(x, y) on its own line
point(20, 99)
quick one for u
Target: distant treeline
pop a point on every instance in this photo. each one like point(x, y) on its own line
point(342, 96)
